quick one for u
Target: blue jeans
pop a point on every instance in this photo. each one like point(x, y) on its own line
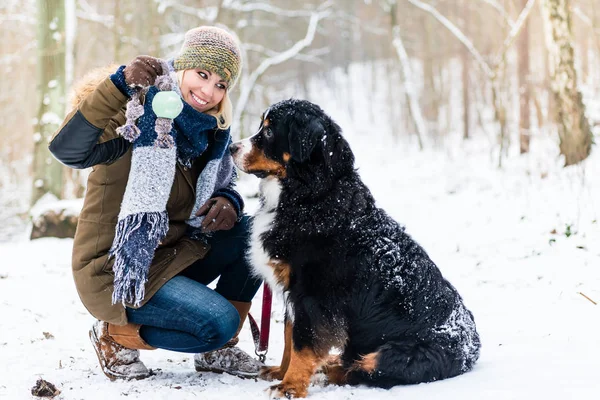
point(184, 314)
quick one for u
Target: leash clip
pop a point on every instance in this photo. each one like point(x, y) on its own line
point(262, 357)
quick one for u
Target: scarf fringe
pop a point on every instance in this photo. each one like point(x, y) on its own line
point(164, 138)
point(136, 238)
point(133, 111)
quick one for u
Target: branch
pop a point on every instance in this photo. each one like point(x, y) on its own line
point(249, 7)
point(362, 24)
point(6, 59)
point(17, 18)
point(277, 59)
point(587, 20)
point(490, 70)
point(456, 32)
point(512, 35)
point(501, 10)
point(208, 14)
point(88, 13)
point(313, 56)
point(588, 298)
point(577, 11)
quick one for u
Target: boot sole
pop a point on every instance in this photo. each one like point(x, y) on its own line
point(111, 375)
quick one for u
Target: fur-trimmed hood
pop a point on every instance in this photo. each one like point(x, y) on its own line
point(88, 83)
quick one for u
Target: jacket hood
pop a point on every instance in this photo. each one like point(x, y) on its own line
point(86, 85)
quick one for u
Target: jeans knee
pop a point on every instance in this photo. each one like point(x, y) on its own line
point(225, 326)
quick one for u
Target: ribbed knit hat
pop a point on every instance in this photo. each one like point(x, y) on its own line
point(213, 49)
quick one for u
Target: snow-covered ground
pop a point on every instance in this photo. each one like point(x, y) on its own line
point(520, 244)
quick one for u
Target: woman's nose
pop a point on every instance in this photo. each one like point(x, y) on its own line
point(207, 90)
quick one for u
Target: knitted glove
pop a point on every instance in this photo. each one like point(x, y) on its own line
point(142, 71)
point(220, 214)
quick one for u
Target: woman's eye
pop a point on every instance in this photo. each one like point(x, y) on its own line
point(203, 75)
point(221, 86)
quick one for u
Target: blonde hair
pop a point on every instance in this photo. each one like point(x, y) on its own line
point(223, 111)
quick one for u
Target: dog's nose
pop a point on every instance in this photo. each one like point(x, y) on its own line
point(234, 148)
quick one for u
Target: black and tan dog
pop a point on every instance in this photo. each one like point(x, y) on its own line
point(352, 277)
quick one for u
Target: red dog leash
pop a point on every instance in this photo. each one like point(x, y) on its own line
point(261, 336)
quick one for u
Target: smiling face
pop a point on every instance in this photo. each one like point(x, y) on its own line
point(202, 89)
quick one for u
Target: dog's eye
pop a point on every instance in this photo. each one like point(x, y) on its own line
point(267, 133)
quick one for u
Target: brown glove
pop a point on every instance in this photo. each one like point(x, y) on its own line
point(142, 71)
point(220, 215)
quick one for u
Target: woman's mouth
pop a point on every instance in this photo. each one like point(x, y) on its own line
point(198, 100)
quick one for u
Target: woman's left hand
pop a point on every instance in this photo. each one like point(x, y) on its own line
point(220, 215)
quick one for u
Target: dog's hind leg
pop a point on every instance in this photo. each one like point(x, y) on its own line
point(405, 363)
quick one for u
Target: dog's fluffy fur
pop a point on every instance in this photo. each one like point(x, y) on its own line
point(353, 278)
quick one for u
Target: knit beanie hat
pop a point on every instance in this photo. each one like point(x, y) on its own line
point(213, 49)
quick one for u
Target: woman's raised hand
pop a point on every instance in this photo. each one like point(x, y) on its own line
point(142, 71)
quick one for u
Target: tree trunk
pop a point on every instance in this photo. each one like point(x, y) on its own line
point(466, 73)
point(117, 32)
point(524, 87)
point(414, 107)
point(573, 126)
point(500, 115)
point(47, 172)
point(585, 58)
point(153, 40)
point(430, 95)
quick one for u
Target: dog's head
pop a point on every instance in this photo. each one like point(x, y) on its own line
point(295, 138)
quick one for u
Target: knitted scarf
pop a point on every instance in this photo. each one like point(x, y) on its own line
point(158, 144)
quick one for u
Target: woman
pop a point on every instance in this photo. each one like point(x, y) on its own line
point(161, 219)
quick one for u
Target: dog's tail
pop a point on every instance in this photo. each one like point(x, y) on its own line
point(406, 363)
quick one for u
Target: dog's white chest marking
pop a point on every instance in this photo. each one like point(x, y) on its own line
point(263, 221)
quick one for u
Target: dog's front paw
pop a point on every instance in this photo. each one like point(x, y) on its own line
point(271, 373)
point(287, 390)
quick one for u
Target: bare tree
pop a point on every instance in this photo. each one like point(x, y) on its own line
point(492, 70)
point(524, 87)
point(466, 70)
point(47, 172)
point(413, 102)
point(248, 82)
point(574, 128)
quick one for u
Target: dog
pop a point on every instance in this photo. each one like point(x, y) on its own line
point(353, 279)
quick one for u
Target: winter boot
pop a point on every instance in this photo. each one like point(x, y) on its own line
point(117, 350)
point(230, 358)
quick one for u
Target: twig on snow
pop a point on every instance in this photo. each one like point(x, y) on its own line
point(588, 299)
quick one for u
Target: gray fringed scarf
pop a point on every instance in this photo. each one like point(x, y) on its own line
point(158, 143)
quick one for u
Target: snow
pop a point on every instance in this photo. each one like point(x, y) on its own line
point(519, 244)
point(49, 202)
point(50, 118)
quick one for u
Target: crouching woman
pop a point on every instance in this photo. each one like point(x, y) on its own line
point(161, 218)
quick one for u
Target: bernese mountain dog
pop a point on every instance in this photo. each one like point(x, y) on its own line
point(353, 279)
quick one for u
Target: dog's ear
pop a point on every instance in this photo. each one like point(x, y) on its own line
point(303, 137)
point(337, 155)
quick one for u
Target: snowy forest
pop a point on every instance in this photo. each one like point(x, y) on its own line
point(474, 123)
point(421, 71)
